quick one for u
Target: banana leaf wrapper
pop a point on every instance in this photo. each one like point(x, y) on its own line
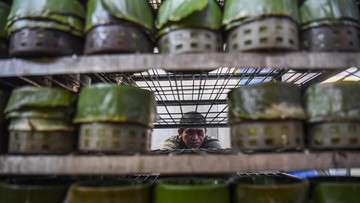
point(175, 14)
point(318, 12)
point(4, 12)
point(112, 191)
point(339, 101)
point(115, 103)
point(3, 100)
point(63, 113)
point(36, 124)
point(242, 11)
point(192, 190)
point(265, 101)
point(31, 23)
point(139, 12)
point(38, 97)
point(68, 12)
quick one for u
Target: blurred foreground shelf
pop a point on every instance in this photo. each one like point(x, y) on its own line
point(199, 62)
point(175, 164)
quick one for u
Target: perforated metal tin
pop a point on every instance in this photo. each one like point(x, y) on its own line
point(41, 142)
point(190, 40)
point(43, 42)
point(114, 137)
point(3, 48)
point(267, 135)
point(117, 39)
point(271, 33)
point(331, 38)
point(334, 135)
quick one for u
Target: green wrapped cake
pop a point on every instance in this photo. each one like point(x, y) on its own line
point(191, 190)
point(269, 189)
point(261, 25)
point(33, 190)
point(3, 100)
point(119, 118)
point(40, 120)
point(333, 115)
point(189, 26)
point(335, 189)
point(53, 27)
point(330, 25)
point(266, 116)
point(4, 12)
point(119, 26)
point(114, 192)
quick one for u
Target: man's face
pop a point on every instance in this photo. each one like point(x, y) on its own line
point(193, 137)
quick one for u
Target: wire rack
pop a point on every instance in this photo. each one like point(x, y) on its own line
point(177, 93)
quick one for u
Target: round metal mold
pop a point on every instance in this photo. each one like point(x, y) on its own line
point(331, 38)
point(41, 142)
point(4, 52)
point(190, 40)
point(114, 138)
point(43, 42)
point(117, 38)
point(267, 135)
point(334, 135)
point(271, 33)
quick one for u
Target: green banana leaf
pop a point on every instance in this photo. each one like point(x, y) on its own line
point(245, 11)
point(96, 15)
point(68, 12)
point(63, 113)
point(337, 101)
point(265, 101)
point(318, 10)
point(4, 12)
point(136, 11)
point(109, 191)
point(36, 124)
point(31, 23)
point(175, 14)
point(329, 22)
point(3, 100)
point(26, 97)
point(114, 103)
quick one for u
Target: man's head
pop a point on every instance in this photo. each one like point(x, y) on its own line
point(192, 136)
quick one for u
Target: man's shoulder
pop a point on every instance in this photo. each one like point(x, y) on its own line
point(173, 142)
point(211, 142)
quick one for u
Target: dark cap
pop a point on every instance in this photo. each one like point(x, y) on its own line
point(192, 117)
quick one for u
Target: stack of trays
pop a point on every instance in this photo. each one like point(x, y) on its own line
point(200, 190)
point(266, 116)
point(261, 25)
point(333, 115)
point(40, 121)
point(269, 189)
point(112, 191)
point(330, 25)
point(115, 118)
point(188, 27)
point(116, 26)
point(47, 28)
point(4, 12)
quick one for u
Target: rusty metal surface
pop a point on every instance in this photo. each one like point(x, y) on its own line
point(205, 62)
point(72, 164)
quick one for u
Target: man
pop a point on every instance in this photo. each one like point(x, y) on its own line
point(191, 137)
